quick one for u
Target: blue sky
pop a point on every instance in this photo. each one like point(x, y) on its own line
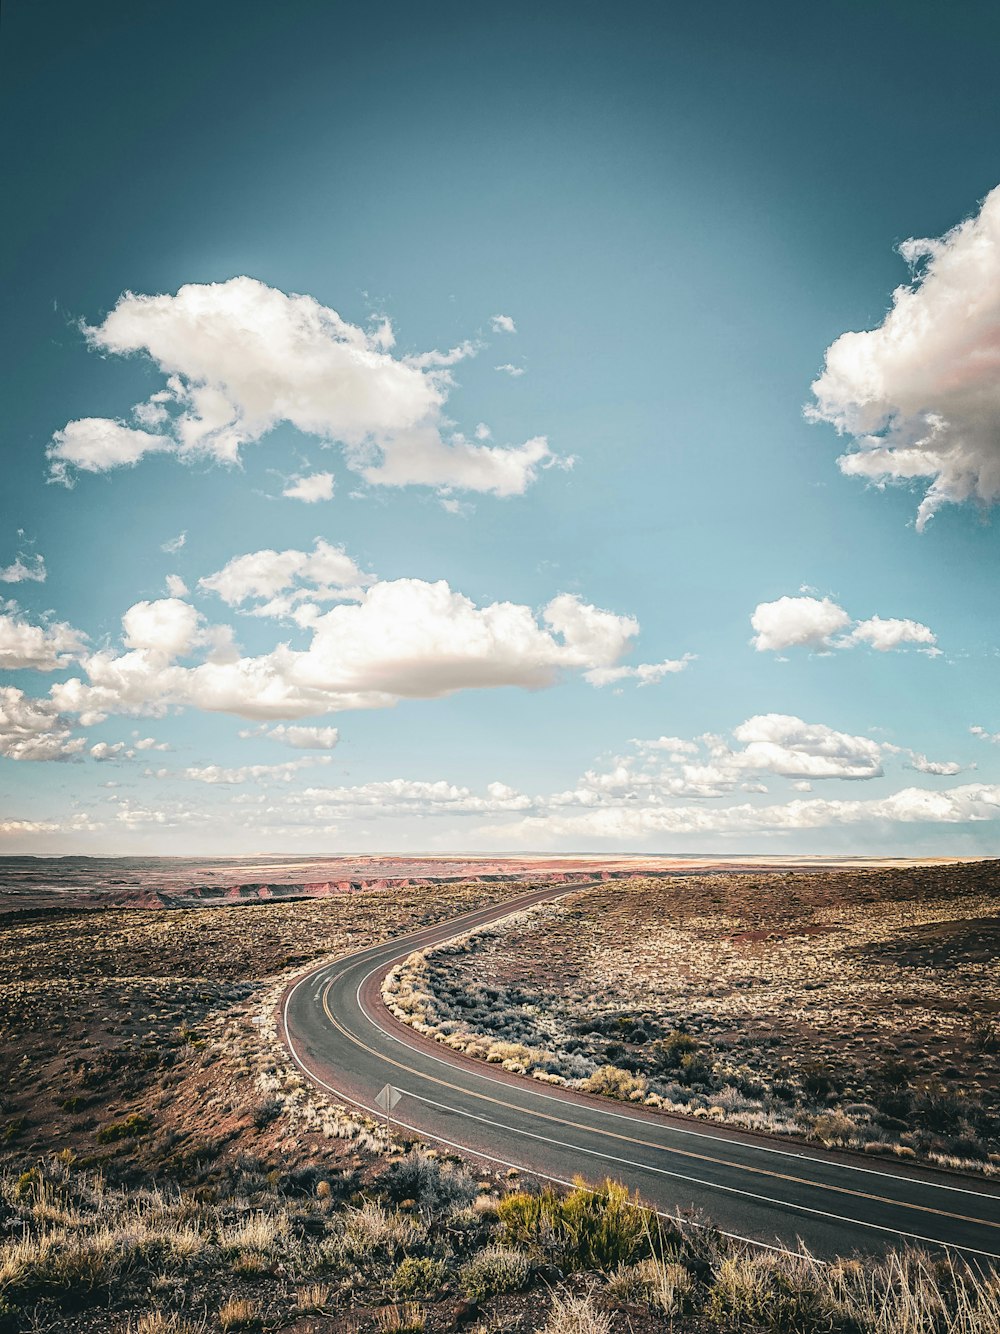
point(680, 211)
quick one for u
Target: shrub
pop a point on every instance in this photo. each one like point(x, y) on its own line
point(266, 1111)
point(239, 1313)
point(312, 1299)
point(435, 1186)
point(417, 1277)
point(589, 1229)
point(408, 1319)
point(494, 1269)
point(576, 1315)
point(133, 1127)
point(789, 1295)
point(613, 1082)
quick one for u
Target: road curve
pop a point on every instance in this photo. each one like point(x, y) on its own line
point(767, 1191)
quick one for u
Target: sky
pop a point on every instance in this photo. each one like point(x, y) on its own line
point(560, 428)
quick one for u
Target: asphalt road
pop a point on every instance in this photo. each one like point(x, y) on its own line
point(753, 1187)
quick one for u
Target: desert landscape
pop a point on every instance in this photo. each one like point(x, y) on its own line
point(166, 1167)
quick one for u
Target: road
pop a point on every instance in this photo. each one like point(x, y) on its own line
point(755, 1188)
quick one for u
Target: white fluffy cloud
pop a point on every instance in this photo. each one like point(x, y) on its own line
point(781, 744)
point(311, 487)
point(34, 729)
point(278, 580)
point(42, 648)
point(819, 623)
point(885, 634)
point(168, 626)
point(920, 395)
point(796, 623)
point(401, 639)
point(503, 324)
point(242, 357)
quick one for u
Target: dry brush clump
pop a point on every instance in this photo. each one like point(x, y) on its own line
point(859, 1009)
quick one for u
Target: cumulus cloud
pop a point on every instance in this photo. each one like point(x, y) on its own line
point(983, 735)
point(885, 634)
point(782, 744)
point(34, 729)
point(943, 768)
point(402, 639)
point(920, 394)
point(176, 586)
point(242, 357)
point(503, 324)
point(278, 580)
point(311, 487)
point(97, 444)
point(508, 368)
point(174, 544)
point(819, 623)
point(41, 648)
point(796, 623)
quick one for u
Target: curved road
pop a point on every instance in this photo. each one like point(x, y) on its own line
point(754, 1188)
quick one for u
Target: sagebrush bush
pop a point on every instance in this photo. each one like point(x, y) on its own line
point(418, 1276)
point(494, 1269)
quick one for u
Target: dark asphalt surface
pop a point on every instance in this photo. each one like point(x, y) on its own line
point(760, 1189)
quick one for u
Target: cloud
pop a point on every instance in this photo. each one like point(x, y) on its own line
point(401, 796)
point(508, 368)
point(245, 773)
point(884, 635)
point(167, 626)
point(782, 744)
point(176, 586)
point(299, 738)
point(36, 647)
point(796, 623)
point(645, 673)
point(26, 567)
point(104, 751)
point(174, 544)
point(983, 735)
point(403, 639)
point(808, 622)
point(503, 324)
point(96, 444)
point(311, 488)
point(920, 394)
point(324, 574)
point(242, 357)
point(34, 729)
point(943, 768)
point(971, 803)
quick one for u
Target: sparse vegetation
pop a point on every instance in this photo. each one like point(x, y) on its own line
point(168, 1171)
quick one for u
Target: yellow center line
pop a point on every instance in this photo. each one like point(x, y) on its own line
point(647, 1144)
